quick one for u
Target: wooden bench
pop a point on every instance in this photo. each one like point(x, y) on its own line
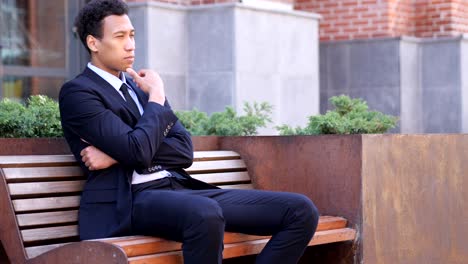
point(40, 195)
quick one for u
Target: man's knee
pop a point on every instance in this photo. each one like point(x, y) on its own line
point(306, 213)
point(206, 218)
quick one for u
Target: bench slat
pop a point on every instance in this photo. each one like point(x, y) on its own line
point(216, 166)
point(331, 222)
point(220, 178)
point(247, 186)
point(246, 248)
point(215, 155)
point(36, 173)
point(47, 233)
point(26, 220)
point(343, 234)
point(38, 188)
point(13, 161)
point(34, 160)
point(50, 203)
point(144, 245)
point(38, 250)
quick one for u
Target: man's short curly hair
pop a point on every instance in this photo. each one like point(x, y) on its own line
point(89, 19)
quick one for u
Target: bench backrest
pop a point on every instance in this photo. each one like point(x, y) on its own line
point(44, 193)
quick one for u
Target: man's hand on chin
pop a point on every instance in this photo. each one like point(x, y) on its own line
point(151, 83)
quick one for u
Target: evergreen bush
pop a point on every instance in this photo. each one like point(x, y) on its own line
point(39, 117)
point(350, 116)
point(227, 123)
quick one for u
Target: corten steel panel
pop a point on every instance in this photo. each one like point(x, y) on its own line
point(33, 146)
point(56, 146)
point(414, 199)
point(325, 168)
point(204, 143)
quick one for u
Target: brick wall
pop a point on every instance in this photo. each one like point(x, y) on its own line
point(188, 2)
point(203, 2)
point(362, 19)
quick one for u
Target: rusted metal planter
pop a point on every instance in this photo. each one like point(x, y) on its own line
point(33, 146)
point(55, 146)
point(405, 194)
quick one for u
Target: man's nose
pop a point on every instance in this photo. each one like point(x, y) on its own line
point(130, 43)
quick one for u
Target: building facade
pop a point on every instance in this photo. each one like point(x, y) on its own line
point(404, 57)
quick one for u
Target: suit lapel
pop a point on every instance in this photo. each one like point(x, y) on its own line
point(142, 96)
point(110, 91)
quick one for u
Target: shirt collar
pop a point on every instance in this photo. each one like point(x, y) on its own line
point(111, 79)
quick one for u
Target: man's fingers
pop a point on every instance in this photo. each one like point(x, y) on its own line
point(132, 73)
point(142, 73)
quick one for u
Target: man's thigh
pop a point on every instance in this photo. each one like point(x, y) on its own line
point(168, 213)
point(255, 211)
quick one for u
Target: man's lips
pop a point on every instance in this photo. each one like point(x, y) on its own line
point(130, 58)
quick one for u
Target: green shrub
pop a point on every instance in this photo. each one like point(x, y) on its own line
point(40, 117)
point(227, 123)
point(350, 116)
point(11, 115)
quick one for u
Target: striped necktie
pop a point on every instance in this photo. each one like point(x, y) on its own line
point(130, 102)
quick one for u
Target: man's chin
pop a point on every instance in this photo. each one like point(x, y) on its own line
point(126, 66)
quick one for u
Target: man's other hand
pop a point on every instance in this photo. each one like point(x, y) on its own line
point(150, 82)
point(95, 159)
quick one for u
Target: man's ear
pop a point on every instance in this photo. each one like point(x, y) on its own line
point(92, 43)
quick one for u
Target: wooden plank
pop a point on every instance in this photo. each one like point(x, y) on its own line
point(12, 161)
point(216, 166)
point(331, 222)
point(26, 220)
point(332, 236)
point(46, 233)
point(144, 245)
point(163, 258)
point(36, 160)
point(247, 186)
point(45, 187)
point(38, 250)
point(36, 204)
point(224, 177)
point(41, 173)
point(246, 248)
point(215, 155)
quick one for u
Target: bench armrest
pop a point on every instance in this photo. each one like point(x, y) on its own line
point(83, 252)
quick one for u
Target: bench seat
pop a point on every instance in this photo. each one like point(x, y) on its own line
point(41, 195)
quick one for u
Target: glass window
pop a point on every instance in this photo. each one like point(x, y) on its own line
point(36, 54)
point(20, 88)
point(32, 33)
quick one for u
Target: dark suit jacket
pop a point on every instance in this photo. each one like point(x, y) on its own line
point(92, 110)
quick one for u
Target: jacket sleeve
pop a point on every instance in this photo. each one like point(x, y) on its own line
point(84, 114)
point(176, 150)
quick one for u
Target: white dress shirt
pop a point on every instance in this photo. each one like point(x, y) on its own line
point(117, 83)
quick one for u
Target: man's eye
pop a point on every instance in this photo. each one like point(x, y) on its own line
point(119, 36)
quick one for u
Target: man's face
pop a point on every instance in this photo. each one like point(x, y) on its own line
point(115, 51)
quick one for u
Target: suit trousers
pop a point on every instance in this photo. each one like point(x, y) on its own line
point(169, 209)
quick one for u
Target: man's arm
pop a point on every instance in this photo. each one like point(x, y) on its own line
point(85, 115)
point(176, 151)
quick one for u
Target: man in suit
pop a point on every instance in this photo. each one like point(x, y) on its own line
point(134, 150)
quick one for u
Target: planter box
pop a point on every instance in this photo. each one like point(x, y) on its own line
point(406, 194)
point(56, 146)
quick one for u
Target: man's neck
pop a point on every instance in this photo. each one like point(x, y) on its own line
point(102, 67)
